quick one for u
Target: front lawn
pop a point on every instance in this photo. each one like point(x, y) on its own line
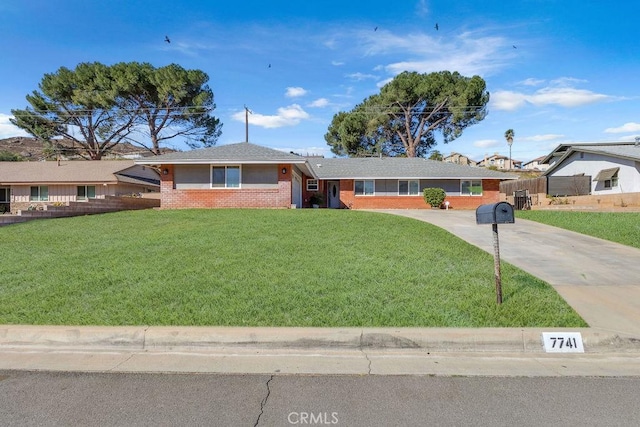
point(312, 267)
point(619, 227)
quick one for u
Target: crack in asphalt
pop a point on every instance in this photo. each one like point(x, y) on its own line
point(264, 401)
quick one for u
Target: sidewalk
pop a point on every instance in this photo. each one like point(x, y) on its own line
point(600, 279)
point(313, 351)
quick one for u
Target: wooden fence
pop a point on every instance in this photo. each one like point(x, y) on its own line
point(558, 186)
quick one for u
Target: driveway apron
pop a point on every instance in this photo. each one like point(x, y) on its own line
point(598, 278)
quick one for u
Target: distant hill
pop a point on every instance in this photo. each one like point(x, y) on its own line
point(32, 150)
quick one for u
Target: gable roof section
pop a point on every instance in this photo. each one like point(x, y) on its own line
point(562, 149)
point(623, 150)
point(398, 168)
point(242, 152)
point(72, 172)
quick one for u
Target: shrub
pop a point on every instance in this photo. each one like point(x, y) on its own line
point(316, 199)
point(434, 196)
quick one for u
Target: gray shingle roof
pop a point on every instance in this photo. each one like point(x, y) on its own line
point(243, 152)
point(630, 151)
point(397, 167)
point(78, 171)
point(624, 150)
point(620, 149)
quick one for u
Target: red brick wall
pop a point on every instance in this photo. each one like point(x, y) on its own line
point(226, 198)
point(281, 197)
point(490, 194)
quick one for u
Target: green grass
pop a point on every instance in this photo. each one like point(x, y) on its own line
point(619, 227)
point(312, 267)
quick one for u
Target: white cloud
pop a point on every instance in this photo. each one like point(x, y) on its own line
point(540, 138)
point(294, 92)
point(486, 143)
point(507, 100)
point(319, 103)
point(532, 82)
point(7, 129)
point(337, 63)
point(361, 76)
point(287, 116)
point(422, 9)
point(468, 53)
point(563, 96)
point(627, 127)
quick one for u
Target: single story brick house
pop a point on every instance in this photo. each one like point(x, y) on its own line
point(29, 184)
point(252, 176)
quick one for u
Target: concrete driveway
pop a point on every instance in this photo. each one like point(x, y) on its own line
point(598, 278)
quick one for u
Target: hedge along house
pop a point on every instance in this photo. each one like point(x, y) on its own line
point(251, 176)
point(27, 184)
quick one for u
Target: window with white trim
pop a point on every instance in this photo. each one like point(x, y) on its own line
point(611, 183)
point(364, 187)
point(312, 185)
point(85, 192)
point(471, 188)
point(225, 176)
point(39, 193)
point(409, 187)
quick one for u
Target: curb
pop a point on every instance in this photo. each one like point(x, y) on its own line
point(169, 338)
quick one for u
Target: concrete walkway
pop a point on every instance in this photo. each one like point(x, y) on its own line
point(598, 278)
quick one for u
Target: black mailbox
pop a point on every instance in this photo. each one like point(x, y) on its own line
point(495, 213)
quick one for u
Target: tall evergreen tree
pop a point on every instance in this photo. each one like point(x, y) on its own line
point(97, 106)
point(404, 118)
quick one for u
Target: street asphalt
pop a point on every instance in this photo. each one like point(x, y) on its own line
point(599, 279)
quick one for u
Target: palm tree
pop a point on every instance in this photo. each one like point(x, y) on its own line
point(508, 135)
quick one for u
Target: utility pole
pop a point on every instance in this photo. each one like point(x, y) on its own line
point(246, 123)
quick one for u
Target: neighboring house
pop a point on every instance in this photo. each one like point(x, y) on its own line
point(614, 168)
point(25, 184)
point(536, 164)
point(249, 175)
point(499, 161)
point(459, 159)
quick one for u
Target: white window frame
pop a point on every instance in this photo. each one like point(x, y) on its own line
point(39, 197)
point(409, 182)
point(611, 183)
point(471, 181)
point(364, 187)
point(312, 185)
point(226, 177)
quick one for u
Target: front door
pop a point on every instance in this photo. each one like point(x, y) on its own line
point(334, 194)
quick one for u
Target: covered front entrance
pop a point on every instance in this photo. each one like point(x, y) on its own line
point(333, 188)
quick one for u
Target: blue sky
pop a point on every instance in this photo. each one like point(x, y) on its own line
point(557, 71)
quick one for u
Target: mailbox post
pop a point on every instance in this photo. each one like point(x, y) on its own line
point(494, 214)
